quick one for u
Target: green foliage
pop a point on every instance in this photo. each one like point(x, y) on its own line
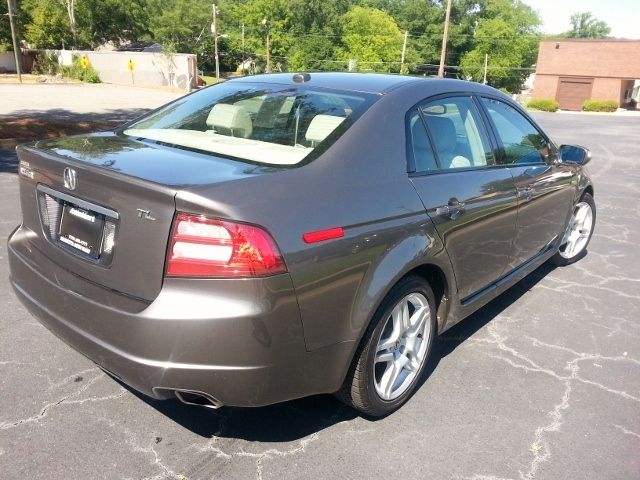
point(424, 22)
point(304, 34)
point(584, 25)
point(507, 32)
point(46, 63)
point(179, 25)
point(83, 72)
point(5, 31)
point(594, 105)
point(97, 21)
point(372, 38)
point(49, 25)
point(543, 104)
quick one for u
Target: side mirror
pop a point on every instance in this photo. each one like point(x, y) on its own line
point(574, 154)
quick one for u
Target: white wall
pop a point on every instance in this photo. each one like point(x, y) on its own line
point(7, 62)
point(178, 70)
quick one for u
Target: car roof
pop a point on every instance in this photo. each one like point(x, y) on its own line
point(375, 83)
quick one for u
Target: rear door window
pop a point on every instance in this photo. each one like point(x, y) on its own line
point(421, 149)
point(458, 133)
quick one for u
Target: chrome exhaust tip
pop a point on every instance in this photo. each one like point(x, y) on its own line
point(199, 399)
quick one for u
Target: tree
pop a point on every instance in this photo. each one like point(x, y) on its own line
point(423, 19)
point(5, 30)
point(507, 31)
point(49, 24)
point(264, 18)
point(584, 25)
point(372, 38)
point(84, 23)
point(315, 34)
point(118, 21)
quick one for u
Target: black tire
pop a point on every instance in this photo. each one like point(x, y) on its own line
point(359, 389)
point(561, 259)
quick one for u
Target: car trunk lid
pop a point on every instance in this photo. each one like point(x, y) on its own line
point(124, 193)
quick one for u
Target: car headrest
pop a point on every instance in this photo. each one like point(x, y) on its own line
point(232, 118)
point(321, 126)
point(444, 133)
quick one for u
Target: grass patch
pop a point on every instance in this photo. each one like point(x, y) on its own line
point(211, 80)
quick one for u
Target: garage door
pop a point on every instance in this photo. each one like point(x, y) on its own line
point(572, 92)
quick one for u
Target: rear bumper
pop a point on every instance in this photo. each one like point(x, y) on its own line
point(240, 341)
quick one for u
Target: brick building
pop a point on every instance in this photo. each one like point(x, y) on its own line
point(574, 70)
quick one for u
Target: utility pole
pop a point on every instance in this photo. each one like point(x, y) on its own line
point(14, 39)
point(265, 22)
point(243, 59)
point(486, 60)
point(443, 53)
point(214, 31)
point(404, 50)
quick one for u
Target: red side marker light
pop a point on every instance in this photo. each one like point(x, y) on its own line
point(322, 235)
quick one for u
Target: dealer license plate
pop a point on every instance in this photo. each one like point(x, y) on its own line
point(81, 229)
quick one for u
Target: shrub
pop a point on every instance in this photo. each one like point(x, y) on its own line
point(544, 104)
point(46, 63)
point(81, 69)
point(593, 105)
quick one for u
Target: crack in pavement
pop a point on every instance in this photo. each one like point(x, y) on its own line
point(539, 447)
point(626, 431)
point(156, 460)
point(65, 400)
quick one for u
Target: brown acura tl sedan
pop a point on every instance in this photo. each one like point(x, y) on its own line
point(278, 236)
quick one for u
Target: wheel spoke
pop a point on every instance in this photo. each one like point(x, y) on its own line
point(581, 214)
point(389, 378)
point(406, 318)
point(418, 321)
point(396, 318)
point(384, 356)
point(568, 251)
point(386, 344)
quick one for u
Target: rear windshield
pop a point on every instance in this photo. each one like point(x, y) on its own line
point(259, 123)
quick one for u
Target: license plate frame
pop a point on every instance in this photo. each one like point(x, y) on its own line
point(81, 230)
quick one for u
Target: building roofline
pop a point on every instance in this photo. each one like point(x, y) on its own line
point(592, 40)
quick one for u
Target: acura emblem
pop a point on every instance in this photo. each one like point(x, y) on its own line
point(70, 178)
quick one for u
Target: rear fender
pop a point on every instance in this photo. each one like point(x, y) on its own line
point(422, 247)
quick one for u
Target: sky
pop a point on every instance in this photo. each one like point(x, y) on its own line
point(623, 16)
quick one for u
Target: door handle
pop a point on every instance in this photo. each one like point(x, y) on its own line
point(452, 210)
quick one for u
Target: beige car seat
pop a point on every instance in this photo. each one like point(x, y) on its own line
point(233, 120)
point(444, 137)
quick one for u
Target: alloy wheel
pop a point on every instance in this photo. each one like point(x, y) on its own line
point(402, 347)
point(578, 231)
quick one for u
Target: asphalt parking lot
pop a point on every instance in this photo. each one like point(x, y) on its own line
point(542, 383)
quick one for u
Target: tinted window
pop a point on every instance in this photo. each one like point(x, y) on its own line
point(420, 145)
point(457, 132)
point(262, 123)
point(521, 141)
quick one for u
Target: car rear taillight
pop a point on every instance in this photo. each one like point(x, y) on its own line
point(208, 247)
